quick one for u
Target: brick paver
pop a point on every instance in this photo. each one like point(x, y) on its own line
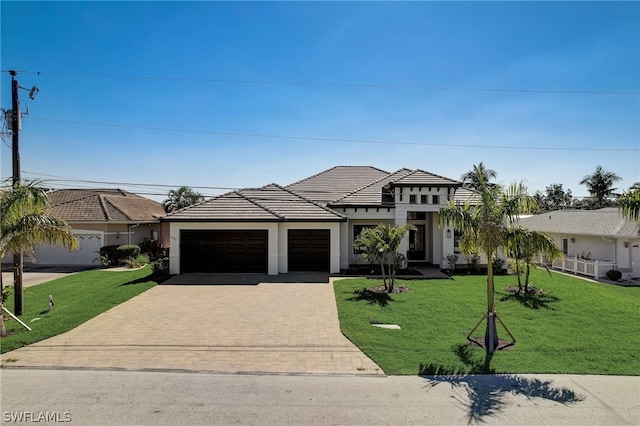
point(264, 328)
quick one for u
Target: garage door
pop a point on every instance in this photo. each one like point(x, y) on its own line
point(309, 250)
point(223, 251)
point(90, 243)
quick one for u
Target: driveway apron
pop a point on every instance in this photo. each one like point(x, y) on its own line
point(264, 328)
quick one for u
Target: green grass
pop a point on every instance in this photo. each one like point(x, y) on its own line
point(78, 298)
point(578, 327)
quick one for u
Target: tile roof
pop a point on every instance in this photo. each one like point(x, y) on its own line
point(103, 205)
point(268, 203)
point(463, 195)
point(336, 182)
point(371, 194)
point(605, 222)
point(421, 178)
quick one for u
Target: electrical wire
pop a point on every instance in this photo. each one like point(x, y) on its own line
point(321, 139)
point(335, 84)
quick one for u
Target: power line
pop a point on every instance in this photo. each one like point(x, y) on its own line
point(352, 85)
point(319, 139)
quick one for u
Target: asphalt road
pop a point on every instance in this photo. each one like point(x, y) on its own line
point(94, 397)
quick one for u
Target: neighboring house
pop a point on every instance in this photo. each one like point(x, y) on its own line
point(311, 224)
point(99, 217)
point(587, 236)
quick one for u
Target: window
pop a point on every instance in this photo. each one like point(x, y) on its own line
point(423, 199)
point(416, 216)
point(412, 199)
point(565, 246)
point(436, 199)
point(357, 229)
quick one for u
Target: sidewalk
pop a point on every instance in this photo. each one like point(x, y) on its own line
point(264, 328)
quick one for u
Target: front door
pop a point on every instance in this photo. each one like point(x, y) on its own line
point(416, 243)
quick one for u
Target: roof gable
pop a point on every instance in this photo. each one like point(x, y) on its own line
point(370, 194)
point(421, 178)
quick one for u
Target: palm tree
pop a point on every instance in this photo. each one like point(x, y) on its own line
point(24, 223)
point(600, 184)
point(629, 203)
point(181, 198)
point(471, 179)
point(524, 244)
point(381, 245)
point(485, 227)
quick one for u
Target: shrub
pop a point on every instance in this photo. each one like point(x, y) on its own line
point(161, 267)
point(128, 251)
point(613, 275)
point(473, 263)
point(137, 262)
point(110, 256)
point(152, 247)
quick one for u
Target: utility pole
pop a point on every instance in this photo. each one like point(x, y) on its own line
point(15, 149)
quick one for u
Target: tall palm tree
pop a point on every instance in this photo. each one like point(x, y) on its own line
point(629, 203)
point(600, 184)
point(485, 227)
point(471, 179)
point(181, 198)
point(25, 222)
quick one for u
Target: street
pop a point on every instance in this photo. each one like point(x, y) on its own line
point(99, 397)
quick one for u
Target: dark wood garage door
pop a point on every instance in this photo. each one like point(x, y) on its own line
point(223, 251)
point(309, 250)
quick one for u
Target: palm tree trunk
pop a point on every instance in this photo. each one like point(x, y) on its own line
point(392, 277)
point(384, 276)
point(3, 329)
point(518, 274)
point(491, 333)
point(526, 279)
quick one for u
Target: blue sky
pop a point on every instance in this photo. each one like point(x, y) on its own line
point(393, 85)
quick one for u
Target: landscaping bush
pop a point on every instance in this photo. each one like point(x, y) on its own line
point(153, 248)
point(161, 267)
point(137, 262)
point(117, 255)
point(614, 275)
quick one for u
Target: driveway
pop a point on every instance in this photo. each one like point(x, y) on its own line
point(263, 328)
point(36, 274)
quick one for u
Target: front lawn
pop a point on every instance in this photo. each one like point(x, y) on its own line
point(78, 298)
point(577, 327)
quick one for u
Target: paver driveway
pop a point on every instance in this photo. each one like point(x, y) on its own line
point(266, 328)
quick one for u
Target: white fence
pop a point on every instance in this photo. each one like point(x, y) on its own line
point(590, 268)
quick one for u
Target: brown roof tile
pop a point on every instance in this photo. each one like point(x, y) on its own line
point(103, 205)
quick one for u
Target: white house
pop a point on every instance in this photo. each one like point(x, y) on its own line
point(311, 224)
point(593, 241)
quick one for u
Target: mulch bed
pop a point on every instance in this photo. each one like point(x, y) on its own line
point(532, 290)
point(396, 289)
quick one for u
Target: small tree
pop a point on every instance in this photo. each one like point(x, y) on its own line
point(524, 244)
point(381, 246)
